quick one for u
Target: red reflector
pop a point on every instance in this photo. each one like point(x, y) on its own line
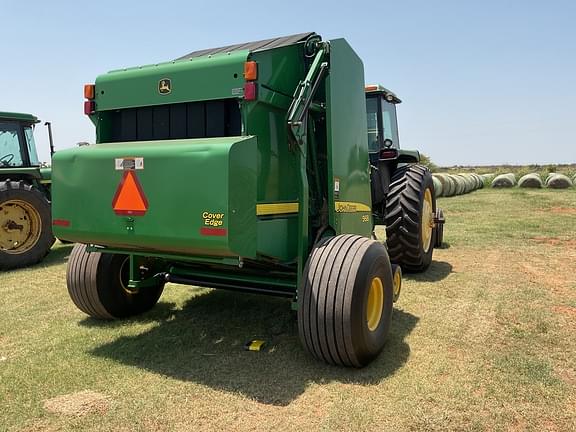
point(61, 222)
point(250, 90)
point(89, 107)
point(213, 231)
point(388, 154)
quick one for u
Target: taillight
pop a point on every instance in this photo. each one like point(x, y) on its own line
point(90, 94)
point(89, 107)
point(250, 91)
point(388, 154)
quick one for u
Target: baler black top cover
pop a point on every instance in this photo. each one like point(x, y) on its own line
point(262, 45)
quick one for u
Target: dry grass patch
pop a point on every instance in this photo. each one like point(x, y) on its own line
point(78, 404)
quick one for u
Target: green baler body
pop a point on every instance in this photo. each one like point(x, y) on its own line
point(252, 178)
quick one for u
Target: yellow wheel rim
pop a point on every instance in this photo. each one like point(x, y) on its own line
point(124, 276)
point(20, 227)
point(427, 222)
point(397, 283)
point(375, 303)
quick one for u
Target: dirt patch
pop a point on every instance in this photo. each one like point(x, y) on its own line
point(555, 241)
point(78, 404)
point(559, 210)
point(565, 310)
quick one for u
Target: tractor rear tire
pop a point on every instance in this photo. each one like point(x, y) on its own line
point(25, 225)
point(345, 300)
point(410, 210)
point(98, 285)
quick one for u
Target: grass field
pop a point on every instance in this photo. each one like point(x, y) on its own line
point(485, 340)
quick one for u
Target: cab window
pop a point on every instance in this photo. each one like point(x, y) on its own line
point(372, 117)
point(10, 151)
point(29, 134)
point(389, 123)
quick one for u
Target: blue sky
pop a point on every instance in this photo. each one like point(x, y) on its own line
point(481, 82)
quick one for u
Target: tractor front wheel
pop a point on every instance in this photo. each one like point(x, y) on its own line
point(25, 225)
point(345, 300)
point(410, 210)
point(98, 285)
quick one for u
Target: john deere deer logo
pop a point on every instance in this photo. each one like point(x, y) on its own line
point(164, 86)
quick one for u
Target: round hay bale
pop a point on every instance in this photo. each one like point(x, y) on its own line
point(574, 179)
point(464, 178)
point(450, 186)
point(437, 187)
point(447, 185)
point(559, 181)
point(442, 179)
point(531, 180)
point(479, 181)
point(460, 184)
point(504, 181)
point(474, 181)
point(470, 183)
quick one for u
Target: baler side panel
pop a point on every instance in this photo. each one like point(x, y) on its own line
point(349, 175)
point(279, 71)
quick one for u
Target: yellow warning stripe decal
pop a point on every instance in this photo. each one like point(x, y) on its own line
point(276, 209)
point(292, 207)
point(350, 207)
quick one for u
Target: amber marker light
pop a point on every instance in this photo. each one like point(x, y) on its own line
point(250, 70)
point(89, 91)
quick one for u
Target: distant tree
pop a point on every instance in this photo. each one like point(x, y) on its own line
point(426, 161)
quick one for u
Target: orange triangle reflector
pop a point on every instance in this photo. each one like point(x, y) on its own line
point(130, 199)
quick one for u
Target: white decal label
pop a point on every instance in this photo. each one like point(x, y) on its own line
point(124, 164)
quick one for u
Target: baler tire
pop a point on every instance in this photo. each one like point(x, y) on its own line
point(404, 218)
point(97, 285)
point(22, 200)
point(336, 304)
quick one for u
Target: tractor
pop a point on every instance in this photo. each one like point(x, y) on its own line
point(261, 167)
point(25, 221)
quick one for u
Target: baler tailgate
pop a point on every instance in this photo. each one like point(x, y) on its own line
point(194, 196)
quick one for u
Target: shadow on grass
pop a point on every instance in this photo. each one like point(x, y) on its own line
point(58, 255)
point(203, 343)
point(163, 311)
point(437, 271)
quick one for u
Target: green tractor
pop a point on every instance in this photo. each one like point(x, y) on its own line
point(25, 227)
point(248, 168)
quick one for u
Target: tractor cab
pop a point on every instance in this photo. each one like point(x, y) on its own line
point(381, 116)
point(17, 147)
point(383, 145)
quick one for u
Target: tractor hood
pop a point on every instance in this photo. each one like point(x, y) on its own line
point(189, 197)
